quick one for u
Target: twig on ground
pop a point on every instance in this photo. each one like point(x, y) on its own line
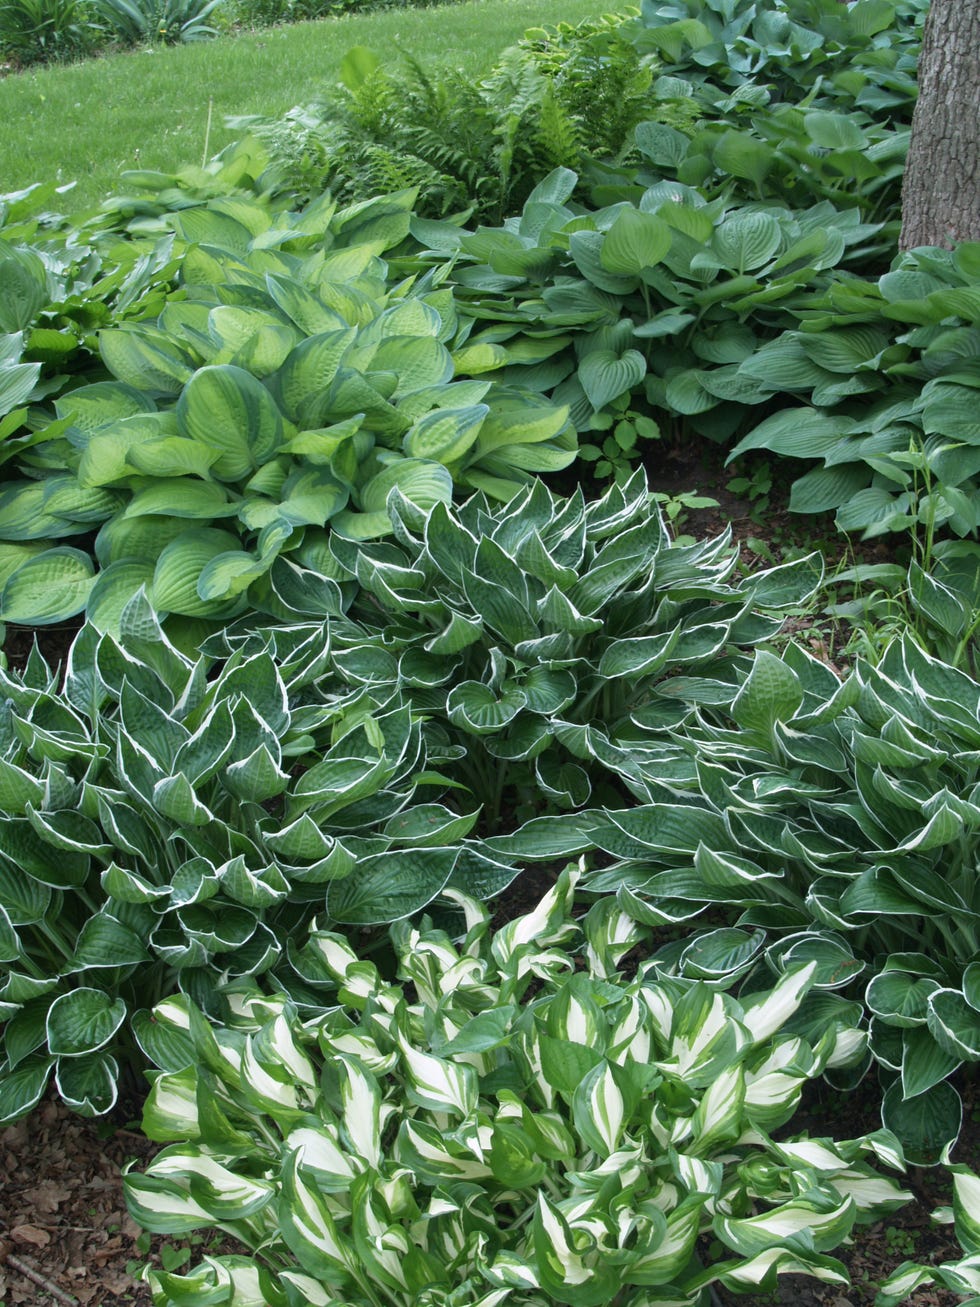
point(21, 1267)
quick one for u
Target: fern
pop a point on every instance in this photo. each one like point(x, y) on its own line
point(560, 97)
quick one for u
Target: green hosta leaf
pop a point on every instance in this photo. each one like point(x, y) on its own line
point(771, 693)
point(228, 410)
point(105, 941)
point(605, 374)
point(49, 587)
point(635, 241)
point(145, 358)
point(445, 434)
point(747, 240)
point(89, 1084)
point(82, 1021)
point(476, 708)
point(179, 567)
point(376, 895)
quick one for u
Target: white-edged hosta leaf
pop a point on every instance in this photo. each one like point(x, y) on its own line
point(88, 1084)
point(82, 1021)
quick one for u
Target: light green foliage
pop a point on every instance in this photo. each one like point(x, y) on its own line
point(535, 638)
point(290, 382)
point(511, 1120)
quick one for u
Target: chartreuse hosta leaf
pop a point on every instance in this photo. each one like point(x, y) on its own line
point(427, 1133)
point(272, 392)
point(171, 821)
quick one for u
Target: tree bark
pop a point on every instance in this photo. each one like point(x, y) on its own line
point(941, 190)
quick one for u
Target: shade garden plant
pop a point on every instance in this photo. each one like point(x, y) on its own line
point(354, 498)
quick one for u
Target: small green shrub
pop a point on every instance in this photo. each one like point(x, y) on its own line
point(48, 31)
point(168, 21)
point(510, 1120)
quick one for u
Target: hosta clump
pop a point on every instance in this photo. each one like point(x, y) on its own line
point(663, 295)
point(511, 1120)
point(290, 382)
point(843, 818)
point(796, 100)
point(532, 636)
point(168, 823)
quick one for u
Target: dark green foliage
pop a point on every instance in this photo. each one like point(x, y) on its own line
point(47, 31)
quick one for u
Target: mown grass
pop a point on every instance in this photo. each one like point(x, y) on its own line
point(89, 122)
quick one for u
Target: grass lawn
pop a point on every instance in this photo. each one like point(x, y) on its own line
point(89, 122)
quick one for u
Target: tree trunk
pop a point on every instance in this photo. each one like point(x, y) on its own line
point(941, 191)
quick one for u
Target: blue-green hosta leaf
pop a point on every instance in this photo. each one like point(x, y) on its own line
point(927, 1125)
point(49, 587)
point(606, 374)
point(375, 894)
point(228, 410)
point(114, 587)
point(82, 1021)
point(635, 241)
point(479, 711)
point(22, 1088)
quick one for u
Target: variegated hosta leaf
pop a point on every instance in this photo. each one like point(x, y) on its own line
point(433, 1132)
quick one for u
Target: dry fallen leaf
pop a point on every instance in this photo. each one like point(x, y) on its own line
point(32, 1234)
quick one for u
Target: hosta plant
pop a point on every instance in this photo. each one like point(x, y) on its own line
point(963, 1276)
point(511, 1119)
point(289, 383)
point(843, 818)
point(532, 637)
point(169, 822)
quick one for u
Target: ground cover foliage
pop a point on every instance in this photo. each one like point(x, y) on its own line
point(347, 659)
